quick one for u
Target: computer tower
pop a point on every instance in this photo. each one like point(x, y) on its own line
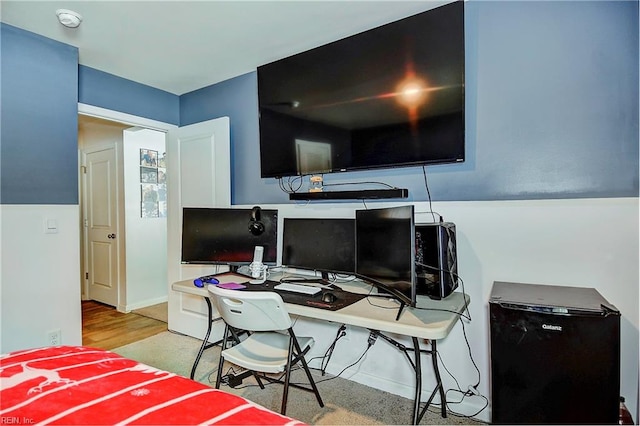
point(555, 355)
point(436, 259)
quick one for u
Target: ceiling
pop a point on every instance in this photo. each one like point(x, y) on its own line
point(181, 46)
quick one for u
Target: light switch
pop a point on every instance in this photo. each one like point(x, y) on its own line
point(50, 226)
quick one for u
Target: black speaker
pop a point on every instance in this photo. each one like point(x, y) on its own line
point(436, 259)
point(255, 226)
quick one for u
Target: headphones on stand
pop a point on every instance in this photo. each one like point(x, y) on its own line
point(255, 226)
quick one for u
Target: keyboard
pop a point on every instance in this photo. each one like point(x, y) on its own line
point(297, 288)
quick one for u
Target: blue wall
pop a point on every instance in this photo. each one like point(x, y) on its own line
point(41, 87)
point(551, 102)
point(39, 123)
point(237, 99)
point(108, 91)
point(551, 109)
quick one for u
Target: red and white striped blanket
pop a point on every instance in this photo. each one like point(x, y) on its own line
point(81, 385)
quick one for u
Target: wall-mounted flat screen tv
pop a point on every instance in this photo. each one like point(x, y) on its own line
point(222, 235)
point(387, 97)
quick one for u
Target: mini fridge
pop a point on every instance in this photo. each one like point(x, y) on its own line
point(555, 355)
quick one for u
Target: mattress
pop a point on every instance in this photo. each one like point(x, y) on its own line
point(88, 386)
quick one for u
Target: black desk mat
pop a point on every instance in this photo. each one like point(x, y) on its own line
point(343, 298)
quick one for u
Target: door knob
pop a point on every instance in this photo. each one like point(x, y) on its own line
point(111, 236)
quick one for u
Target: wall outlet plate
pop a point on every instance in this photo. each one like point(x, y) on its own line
point(54, 337)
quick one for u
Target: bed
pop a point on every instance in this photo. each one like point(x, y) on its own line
point(88, 386)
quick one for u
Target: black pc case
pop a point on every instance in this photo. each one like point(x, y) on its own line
point(436, 259)
point(555, 355)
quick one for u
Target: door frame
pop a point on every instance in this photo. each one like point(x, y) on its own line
point(133, 121)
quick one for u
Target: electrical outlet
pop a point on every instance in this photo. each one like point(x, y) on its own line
point(372, 338)
point(54, 337)
point(344, 333)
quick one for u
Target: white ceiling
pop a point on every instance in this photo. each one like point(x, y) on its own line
point(181, 46)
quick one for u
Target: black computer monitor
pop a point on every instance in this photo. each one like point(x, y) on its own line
point(228, 236)
point(385, 250)
point(324, 245)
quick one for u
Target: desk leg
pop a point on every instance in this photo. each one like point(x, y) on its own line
point(418, 370)
point(205, 344)
point(436, 370)
point(439, 387)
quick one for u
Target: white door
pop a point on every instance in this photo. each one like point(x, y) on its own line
point(198, 175)
point(101, 225)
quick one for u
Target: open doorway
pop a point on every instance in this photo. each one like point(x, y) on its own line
point(188, 184)
point(123, 208)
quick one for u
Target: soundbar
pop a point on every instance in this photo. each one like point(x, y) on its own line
point(366, 194)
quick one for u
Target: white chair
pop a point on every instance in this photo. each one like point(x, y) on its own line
point(271, 346)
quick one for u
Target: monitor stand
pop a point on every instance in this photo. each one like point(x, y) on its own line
point(312, 280)
point(402, 305)
point(305, 280)
point(392, 292)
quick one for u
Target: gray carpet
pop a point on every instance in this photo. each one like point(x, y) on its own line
point(158, 312)
point(346, 402)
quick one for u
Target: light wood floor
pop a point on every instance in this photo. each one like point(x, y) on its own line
point(104, 327)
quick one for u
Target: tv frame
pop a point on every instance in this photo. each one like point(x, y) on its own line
point(285, 105)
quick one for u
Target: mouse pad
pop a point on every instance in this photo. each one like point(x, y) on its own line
point(343, 298)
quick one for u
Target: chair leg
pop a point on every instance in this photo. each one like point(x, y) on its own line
point(300, 357)
point(236, 339)
point(225, 337)
point(287, 377)
point(255, 376)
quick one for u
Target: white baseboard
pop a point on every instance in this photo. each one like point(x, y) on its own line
point(145, 303)
point(468, 407)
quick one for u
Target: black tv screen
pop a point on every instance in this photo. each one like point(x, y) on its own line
point(222, 236)
point(391, 96)
point(319, 244)
point(385, 247)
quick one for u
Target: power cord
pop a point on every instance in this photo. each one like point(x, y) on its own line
point(329, 352)
point(426, 185)
point(458, 278)
point(472, 390)
point(292, 184)
point(350, 365)
point(327, 356)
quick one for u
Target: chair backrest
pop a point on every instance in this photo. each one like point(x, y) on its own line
point(250, 310)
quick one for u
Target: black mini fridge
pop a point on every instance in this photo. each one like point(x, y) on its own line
point(555, 355)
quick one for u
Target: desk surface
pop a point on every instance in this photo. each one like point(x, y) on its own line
point(433, 320)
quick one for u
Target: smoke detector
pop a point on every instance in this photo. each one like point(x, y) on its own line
point(69, 18)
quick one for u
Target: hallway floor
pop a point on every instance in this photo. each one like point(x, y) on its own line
point(104, 327)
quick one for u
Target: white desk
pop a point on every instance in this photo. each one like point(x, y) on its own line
point(433, 320)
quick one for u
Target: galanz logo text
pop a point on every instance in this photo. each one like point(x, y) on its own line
point(551, 327)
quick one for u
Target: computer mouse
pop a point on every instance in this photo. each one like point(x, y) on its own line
point(329, 297)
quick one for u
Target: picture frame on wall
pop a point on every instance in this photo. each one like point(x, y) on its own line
point(148, 158)
point(150, 206)
point(153, 184)
point(149, 175)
